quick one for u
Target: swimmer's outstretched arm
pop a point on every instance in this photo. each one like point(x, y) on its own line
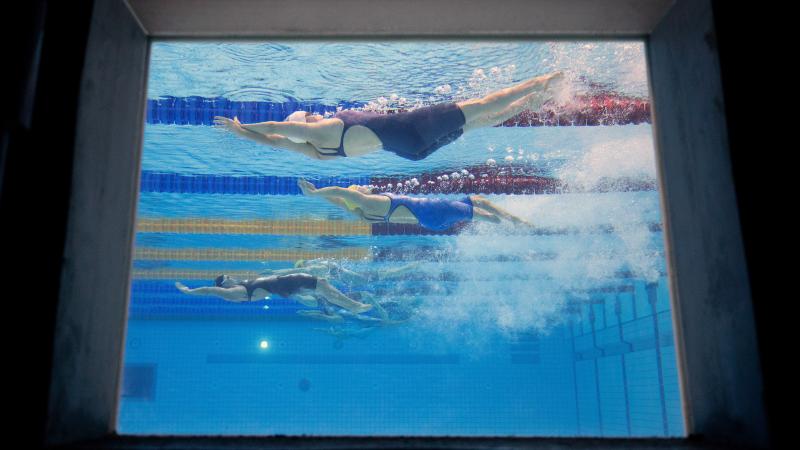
point(272, 140)
point(332, 192)
point(230, 294)
point(496, 211)
point(297, 130)
point(319, 131)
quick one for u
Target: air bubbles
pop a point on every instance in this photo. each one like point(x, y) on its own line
point(491, 162)
point(455, 175)
point(443, 89)
point(464, 172)
point(445, 177)
point(509, 158)
point(509, 149)
point(471, 177)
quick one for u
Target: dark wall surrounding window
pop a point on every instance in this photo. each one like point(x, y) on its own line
point(39, 117)
point(35, 179)
point(751, 91)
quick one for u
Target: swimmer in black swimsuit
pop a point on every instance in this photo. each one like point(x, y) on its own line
point(411, 134)
point(307, 289)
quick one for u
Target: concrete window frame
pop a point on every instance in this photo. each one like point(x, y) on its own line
point(721, 384)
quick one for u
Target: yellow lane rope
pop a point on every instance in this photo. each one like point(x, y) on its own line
point(166, 274)
point(272, 227)
point(219, 254)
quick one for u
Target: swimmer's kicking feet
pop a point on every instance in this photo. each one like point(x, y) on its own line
point(411, 134)
point(432, 213)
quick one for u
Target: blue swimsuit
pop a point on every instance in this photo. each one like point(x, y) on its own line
point(411, 134)
point(435, 214)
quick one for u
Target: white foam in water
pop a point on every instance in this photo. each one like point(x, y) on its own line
point(632, 158)
point(551, 269)
point(615, 66)
point(478, 309)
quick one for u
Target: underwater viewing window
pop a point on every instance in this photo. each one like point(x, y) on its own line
point(412, 238)
point(418, 237)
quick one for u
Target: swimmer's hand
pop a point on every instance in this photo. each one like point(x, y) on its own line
point(230, 124)
point(306, 187)
point(181, 287)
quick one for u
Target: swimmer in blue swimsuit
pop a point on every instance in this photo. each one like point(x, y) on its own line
point(411, 134)
point(307, 289)
point(432, 213)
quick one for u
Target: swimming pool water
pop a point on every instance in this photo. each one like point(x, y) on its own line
point(495, 332)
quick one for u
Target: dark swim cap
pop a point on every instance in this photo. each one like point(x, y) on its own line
point(218, 281)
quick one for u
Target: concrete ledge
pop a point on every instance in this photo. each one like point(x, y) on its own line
point(463, 18)
point(355, 443)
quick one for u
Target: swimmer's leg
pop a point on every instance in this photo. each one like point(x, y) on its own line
point(482, 109)
point(398, 271)
point(319, 315)
point(371, 300)
point(333, 295)
point(307, 300)
point(532, 101)
point(480, 203)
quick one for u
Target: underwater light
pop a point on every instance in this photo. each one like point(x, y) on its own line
point(264, 345)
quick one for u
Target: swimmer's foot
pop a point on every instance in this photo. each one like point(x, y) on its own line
point(360, 307)
point(524, 223)
point(552, 80)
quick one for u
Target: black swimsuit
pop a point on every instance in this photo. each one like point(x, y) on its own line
point(410, 134)
point(283, 285)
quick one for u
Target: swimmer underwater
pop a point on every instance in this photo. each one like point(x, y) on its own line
point(432, 213)
point(411, 134)
point(307, 289)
